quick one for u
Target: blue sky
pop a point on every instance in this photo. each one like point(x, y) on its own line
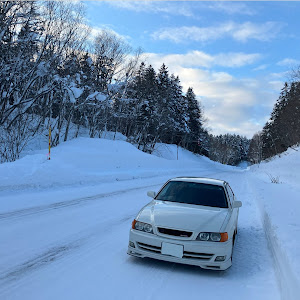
point(236, 55)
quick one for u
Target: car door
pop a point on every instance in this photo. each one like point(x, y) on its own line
point(230, 228)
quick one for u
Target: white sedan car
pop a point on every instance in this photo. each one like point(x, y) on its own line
point(190, 221)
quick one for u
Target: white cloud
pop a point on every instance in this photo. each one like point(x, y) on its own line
point(183, 8)
point(276, 85)
point(94, 31)
point(279, 76)
point(194, 33)
point(201, 59)
point(232, 8)
point(261, 67)
point(230, 104)
point(261, 32)
point(179, 8)
point(235, 106)
point(239, 32)
point(288, 62)
point(236, 59)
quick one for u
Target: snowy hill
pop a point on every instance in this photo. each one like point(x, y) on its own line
point(285, 167)
point(88, 161)
point(92, 161)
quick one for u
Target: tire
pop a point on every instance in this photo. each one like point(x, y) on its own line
point(233, 242)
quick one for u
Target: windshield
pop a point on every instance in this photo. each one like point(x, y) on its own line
point(193, 193)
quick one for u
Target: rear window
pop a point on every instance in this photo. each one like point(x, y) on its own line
point(193, 193)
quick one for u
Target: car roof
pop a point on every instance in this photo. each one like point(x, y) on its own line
point(200, 180)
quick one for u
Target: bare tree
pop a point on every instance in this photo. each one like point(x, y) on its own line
point(35, 41)
point(13, 140)
point(111, 52)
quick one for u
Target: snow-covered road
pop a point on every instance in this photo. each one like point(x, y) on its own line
point(75, 248)
point(64, 226)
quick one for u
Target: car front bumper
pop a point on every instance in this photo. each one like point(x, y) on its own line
point(202, 254)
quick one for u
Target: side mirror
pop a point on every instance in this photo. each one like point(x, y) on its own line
point(151, 194)
point(237, 204)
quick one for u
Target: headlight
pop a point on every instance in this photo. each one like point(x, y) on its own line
point(142, 226)
point(215, 237)
point(204, 236)
point(148, 228)
point(212, 236)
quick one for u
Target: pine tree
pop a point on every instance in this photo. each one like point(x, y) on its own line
point(178, 109)
point(194, 122)
point(163, 104)
point(283, 128)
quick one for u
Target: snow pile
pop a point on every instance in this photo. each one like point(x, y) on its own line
point(280, 210)
point(92, 161)
point(172, 152)
point(284, 167)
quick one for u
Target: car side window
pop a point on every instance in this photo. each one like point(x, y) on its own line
point(230, 194)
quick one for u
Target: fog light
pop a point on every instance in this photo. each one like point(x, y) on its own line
point(131, 244)
point(220, 258)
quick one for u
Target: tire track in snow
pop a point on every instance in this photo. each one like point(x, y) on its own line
point(56, 252)
point(288, 283)
point(65, 204)
point(112, 178)
point(38, 261)
point(74, 202)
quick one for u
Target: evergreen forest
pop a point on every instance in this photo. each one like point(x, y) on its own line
point(52, 73)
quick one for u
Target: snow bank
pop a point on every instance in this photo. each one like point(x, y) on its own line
point(285, 167)
point(172, 152)
point(280, 210)
point(92, 161)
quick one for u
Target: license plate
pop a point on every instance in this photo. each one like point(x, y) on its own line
point(172, 249)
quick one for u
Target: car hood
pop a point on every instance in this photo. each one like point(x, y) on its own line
point(183, 216)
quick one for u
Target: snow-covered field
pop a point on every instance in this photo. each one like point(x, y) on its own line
point(64, 226)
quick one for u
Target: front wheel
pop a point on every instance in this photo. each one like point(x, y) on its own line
point(233, 242)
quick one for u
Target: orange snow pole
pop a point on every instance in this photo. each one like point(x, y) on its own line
point(49, 142)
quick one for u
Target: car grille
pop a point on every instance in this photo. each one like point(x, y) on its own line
point(195, 255)
point(149, 247)
point(174, 232)
point(186, 254)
